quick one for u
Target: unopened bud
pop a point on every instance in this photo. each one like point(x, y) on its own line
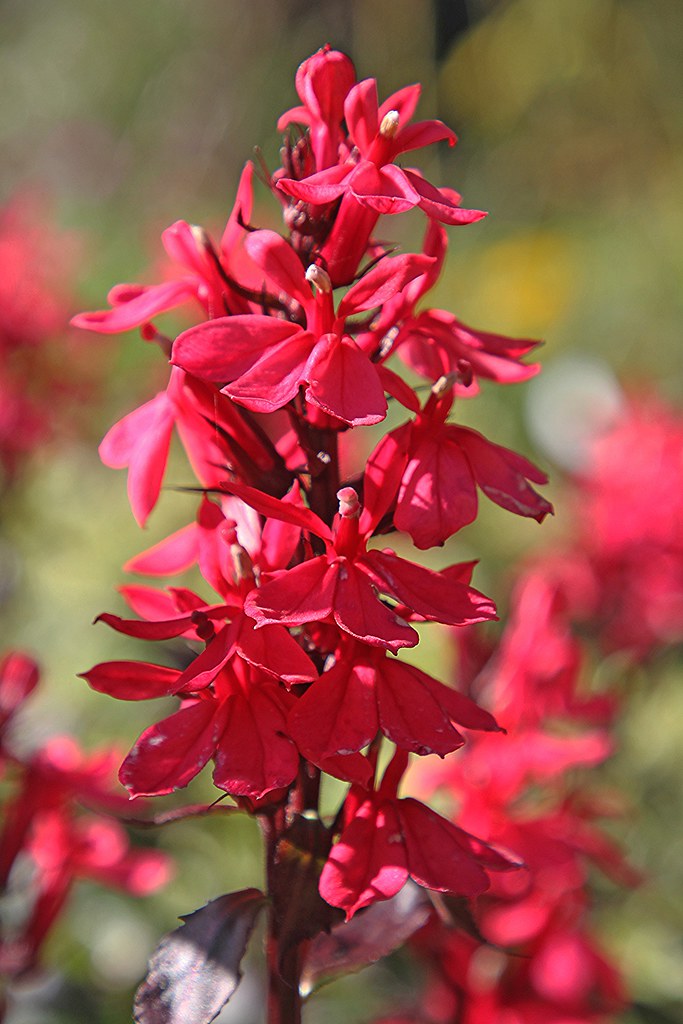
point(390, 124)
point(349, 505)
point(319, 278)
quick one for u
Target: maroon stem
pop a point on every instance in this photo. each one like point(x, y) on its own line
point(284, 998)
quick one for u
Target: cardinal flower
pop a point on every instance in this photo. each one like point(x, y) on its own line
point(368, 179)
point(366, 690)
point(264, 360)
point(378, 135)
point(387, 840)
point(433, 468)
point(343, 585)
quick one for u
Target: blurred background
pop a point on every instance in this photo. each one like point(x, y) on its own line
point(116, 120)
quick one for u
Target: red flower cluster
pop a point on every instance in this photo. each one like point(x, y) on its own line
point(50, 826)
point(624, 572)
point(516, 796)
point(35, 303)
point(293, 669)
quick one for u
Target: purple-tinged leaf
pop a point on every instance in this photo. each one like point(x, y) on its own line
point(371, 934)
point(196, 969)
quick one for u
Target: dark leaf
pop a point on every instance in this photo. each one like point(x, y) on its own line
point(196, 968)
point(456, 912)
point(370, 935)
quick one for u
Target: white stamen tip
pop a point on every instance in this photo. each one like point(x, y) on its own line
point(444, 384)
point(390, 124)
point(319, 278)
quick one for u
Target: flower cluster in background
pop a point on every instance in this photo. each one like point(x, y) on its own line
point(48, 375)
point(59, 810)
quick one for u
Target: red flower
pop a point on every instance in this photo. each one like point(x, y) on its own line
point(387, 840)
point(433, 468)
point(265, 360)
point(379, 134)
point(344, 583)
point(364, 691)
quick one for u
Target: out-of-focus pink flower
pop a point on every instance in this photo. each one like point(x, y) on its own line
point(39, 396)
point(50, 821)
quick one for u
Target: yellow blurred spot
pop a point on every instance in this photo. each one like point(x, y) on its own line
point(526, 282)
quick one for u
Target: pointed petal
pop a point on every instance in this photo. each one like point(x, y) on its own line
point(502, 475)
point(385, 189)
point(368, 863)
point(285, 511)
point(423, 133)
point(132, 680)
point(201, 672)
point(438, 204)
point(359, 611)
point(280, 263)
point(338, 713)
point(169, 557)
point(274, 650)
point(141, 441)
point(223, 349)
point(165, 630)
point(343, 382)
point(142, 303)
point(440, 855)
point(427, 592)
point(383, 282)
point(409, 712)
point(169, 754)
point(382, 477)
point(295, 596)
point(255, 754)
point(353, 768)
point(320, 188)
point(361, 113)
point(241, 211)
point(404, 101)
point(437, 496)
point(275, 377)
